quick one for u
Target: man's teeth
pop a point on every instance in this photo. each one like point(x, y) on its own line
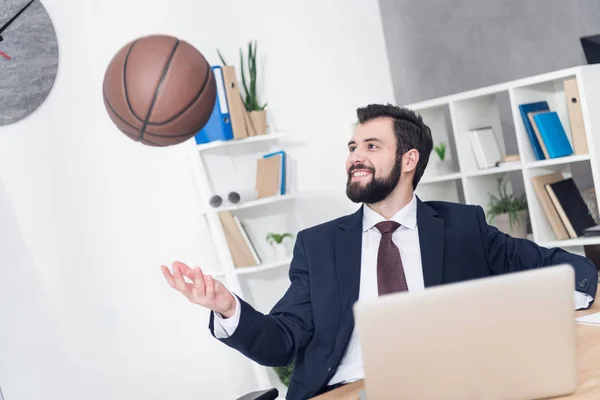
point(361, 173)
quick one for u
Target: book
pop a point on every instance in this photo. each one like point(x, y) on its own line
point(525, 109)
point(268, 176)
point(241, 252)
point(570, 206)
point(283, 168)
point(577, 125)
point(485, 147)
point(553, 134)
point(539, 185)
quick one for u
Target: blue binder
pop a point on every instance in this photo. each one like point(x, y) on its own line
point(218, 126)
point(527, 108)
point(553, 134)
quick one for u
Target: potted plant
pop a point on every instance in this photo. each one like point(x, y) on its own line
point(285, 373)
point(276, 242)
point(256, 111)
point(443, 165)
point(508, 212)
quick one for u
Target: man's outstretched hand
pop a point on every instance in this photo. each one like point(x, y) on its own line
point(203, 289)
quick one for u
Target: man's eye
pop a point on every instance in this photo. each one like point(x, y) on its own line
point(351, 149)
point(372, 146)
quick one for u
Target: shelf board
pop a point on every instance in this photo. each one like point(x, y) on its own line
point(221, 144)
point(508, 167)
point(581, 241)
point(557, 161)
point(497, 88)
point(441, 178)
point(263, 267)
point(253, 203)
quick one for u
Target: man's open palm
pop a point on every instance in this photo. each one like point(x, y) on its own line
point(203, 289)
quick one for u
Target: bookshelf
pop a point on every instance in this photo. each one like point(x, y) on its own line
point(497, 106)
point(222, 166)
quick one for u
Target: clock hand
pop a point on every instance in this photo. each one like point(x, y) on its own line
point(10, 21)
point(3, 54)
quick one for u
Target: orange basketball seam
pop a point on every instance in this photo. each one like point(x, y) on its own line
point(125, 82)
point(186, 108)
point(138, 129)
point(159, 87)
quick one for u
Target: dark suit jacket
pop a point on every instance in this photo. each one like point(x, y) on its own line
point(312, 322)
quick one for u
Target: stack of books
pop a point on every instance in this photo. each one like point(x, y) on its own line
point(561, 201)
point(545, 130)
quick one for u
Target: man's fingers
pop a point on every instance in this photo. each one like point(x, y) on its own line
point(189, 275)
point(210, 287)
point(199, 284)
point(167, 275)
point(178, 278)
point(186, 271)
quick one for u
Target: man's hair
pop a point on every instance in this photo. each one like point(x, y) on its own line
point(409, 129)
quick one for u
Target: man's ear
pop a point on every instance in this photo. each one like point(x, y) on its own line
point(410, 159)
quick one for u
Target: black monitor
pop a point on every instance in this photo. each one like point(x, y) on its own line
point(591, 48)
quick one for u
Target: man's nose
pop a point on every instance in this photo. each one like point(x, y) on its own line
point(357, 156)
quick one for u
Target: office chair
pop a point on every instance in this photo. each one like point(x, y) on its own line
point(268, 394)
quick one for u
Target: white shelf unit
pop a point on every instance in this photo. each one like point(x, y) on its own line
point(451, 117)
point(220, 167)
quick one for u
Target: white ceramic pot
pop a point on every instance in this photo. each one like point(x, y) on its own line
point(279, 251)
point(519, 227)
point(443, 166)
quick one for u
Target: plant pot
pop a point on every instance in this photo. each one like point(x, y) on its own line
point(279, 251)
point(258, 119)
point(443, 167)
point(519, 227)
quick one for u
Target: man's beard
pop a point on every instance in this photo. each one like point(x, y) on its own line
point(377, 189)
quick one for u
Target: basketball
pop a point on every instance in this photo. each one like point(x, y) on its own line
point(159, 90)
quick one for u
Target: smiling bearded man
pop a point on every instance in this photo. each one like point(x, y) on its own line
point(393, 242)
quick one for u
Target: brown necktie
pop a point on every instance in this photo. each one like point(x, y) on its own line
point(390, 272)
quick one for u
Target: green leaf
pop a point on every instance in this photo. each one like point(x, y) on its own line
point(440, 149)
point(248, 70)
point(277, 238)
point(252, 67)
point(245, 86)
point(285, 373)
point(221, 57)
point(505, 203)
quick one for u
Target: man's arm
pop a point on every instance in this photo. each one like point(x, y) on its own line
point(507, 254)
point(275, 339)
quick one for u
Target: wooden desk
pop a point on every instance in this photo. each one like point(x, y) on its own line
point(588, 360)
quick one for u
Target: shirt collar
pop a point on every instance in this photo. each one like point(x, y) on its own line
point(406, 216)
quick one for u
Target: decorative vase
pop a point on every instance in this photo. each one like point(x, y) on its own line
point(519, 227)
point(258, 120)
point(443, 167)
point(279, 251)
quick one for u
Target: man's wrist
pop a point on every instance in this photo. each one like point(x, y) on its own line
point(230, 312)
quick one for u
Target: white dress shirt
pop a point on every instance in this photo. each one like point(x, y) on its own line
point(406, 238)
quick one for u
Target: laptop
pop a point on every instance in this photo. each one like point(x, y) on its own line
point(510, 336)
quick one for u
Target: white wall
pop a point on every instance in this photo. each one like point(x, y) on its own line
point(87, 216)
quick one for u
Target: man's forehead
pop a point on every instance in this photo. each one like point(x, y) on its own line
point(381, 129)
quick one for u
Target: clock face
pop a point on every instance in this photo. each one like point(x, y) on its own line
point(28, 58)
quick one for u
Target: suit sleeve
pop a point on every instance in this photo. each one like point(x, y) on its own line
point(274, 339)
point(507, 254)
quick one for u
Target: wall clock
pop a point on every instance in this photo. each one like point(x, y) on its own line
point(28, 58)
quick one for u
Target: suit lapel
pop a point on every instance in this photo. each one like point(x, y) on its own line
point(348, 249)
point(431, 241)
